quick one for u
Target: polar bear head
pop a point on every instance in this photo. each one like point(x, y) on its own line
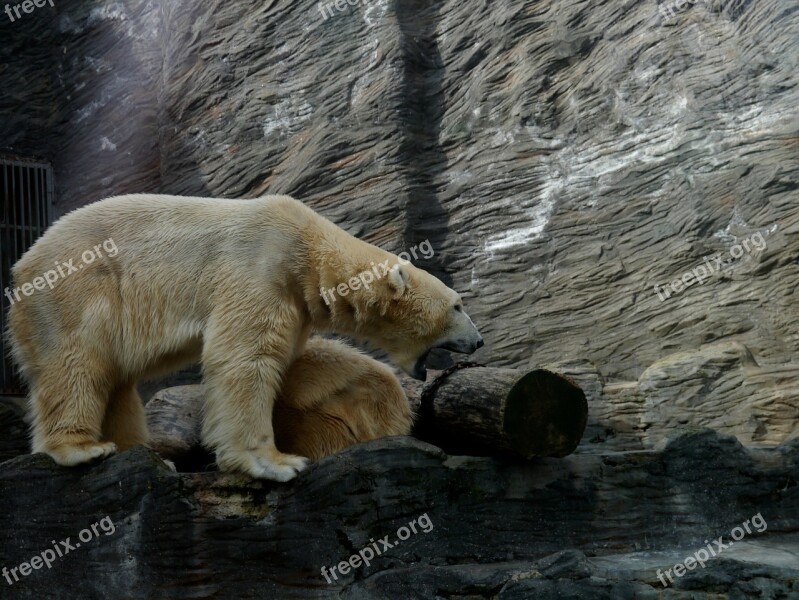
point(406, 312)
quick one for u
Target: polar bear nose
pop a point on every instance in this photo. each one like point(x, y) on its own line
point(480, 343)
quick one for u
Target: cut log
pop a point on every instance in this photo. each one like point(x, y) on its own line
point(468, 409)
point(174, 420)
point(471, 409)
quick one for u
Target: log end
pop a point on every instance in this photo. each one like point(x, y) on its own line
point(545, 415)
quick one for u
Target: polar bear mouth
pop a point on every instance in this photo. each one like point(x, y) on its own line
point(419, 370)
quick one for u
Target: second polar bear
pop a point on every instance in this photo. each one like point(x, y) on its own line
point(334, 396)
point(234, 284)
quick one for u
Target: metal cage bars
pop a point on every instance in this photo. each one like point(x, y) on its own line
point(26, 210)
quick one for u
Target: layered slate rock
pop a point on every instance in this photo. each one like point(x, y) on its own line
point(720, 386)
point(81, 85)
point(563, 158)
point(593, 525)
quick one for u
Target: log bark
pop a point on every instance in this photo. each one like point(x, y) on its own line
point(478, 410)
point(468, 409)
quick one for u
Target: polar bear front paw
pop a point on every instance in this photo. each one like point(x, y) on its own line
point(266, 463)
point(70, 455)
point(283, 467)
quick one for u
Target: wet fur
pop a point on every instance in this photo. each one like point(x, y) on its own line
point(234, 284)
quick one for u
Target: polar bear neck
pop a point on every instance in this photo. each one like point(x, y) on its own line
point(335, 258)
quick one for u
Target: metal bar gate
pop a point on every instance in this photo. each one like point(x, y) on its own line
point(26, 210)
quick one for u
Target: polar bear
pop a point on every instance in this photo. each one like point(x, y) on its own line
point(334, 396)
point(234, 284)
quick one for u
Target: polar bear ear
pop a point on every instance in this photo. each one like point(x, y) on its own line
point(397, 280)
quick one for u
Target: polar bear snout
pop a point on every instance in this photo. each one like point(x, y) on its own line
point(462, 335)
point(462, 346)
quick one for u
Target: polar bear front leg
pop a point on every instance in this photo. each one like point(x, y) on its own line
point(244, 360)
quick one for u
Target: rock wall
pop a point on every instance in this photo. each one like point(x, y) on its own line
point(564, 158)
point(578, 167)
point(586, 526)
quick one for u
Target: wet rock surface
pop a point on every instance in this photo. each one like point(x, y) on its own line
point(594, 525)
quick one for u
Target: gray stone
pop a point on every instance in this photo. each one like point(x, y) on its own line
point(583, 527)
point(563, 158)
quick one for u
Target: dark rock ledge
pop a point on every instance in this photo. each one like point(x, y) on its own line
point(592, 525)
